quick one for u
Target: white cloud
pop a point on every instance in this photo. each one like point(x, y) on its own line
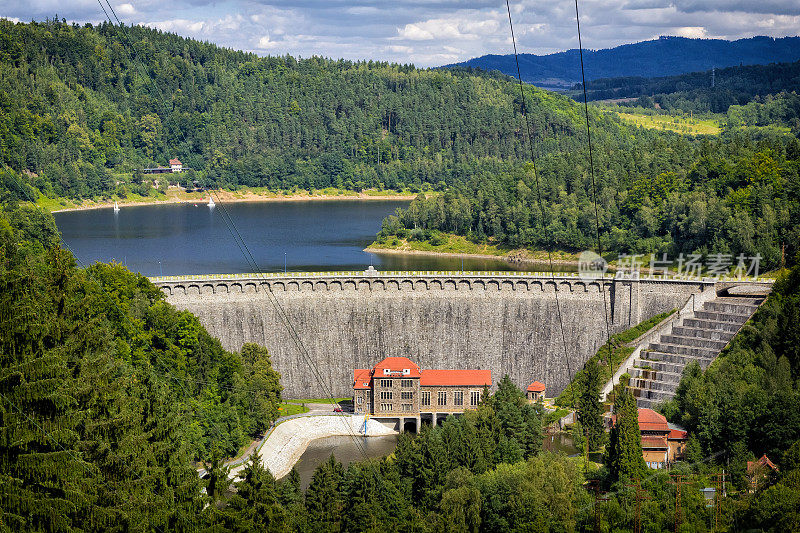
point(694, 32)
point(126, 9)
point(428, 33)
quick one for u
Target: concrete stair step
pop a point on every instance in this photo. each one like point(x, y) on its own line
point(651, 395)
point(702, 333)
point(683, 350)
point(663, 386)
point(696, 342)
point(656, 375)
point(659, 366)
point(644, 403)
point(711, 325)
point(676, 358)
point(721, 317)
point(719, 306)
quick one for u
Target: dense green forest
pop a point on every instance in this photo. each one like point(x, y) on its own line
point(108, 395)
point(80, 105)
point(694, 91)
point(733, 194)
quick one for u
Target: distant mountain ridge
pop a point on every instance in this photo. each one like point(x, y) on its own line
point(665, 56)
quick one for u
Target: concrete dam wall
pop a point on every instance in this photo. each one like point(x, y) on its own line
point(507, 323)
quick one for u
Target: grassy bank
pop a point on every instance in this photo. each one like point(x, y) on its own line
point(619, 350)
point(446, 243)
point(289, 409)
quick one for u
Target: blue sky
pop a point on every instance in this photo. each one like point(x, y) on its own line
point(427, 33)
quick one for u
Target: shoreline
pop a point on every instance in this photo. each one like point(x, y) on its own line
point(507, 257)
point(227, 197)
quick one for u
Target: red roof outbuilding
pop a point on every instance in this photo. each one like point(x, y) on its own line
point(174, 162)
point(536, 386)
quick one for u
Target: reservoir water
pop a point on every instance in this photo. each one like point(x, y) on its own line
point(344, 449)
point(195, 239)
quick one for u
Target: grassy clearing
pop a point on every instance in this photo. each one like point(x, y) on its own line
point(678, 124)
point(619, 353)
point(288, 409)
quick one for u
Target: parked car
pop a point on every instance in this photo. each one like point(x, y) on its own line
point(337, 409)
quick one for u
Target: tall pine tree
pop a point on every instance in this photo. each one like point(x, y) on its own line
point(624, 456)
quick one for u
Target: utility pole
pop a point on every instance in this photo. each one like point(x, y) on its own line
point(713, 76)
point(640, 495)
point(599, 497)
point(679, 481)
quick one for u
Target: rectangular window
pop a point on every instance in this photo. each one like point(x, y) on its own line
point(442, 397)
point(458, 398)
point(386, 383)
point(475, 398)
point(407, 407)
point(406, 395)
point(426, 398)
point(386, 407)
point(386, 395)
point(359, 399)
point(405, 383)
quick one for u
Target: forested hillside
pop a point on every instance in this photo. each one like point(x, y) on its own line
point(81, 106)
point(665, 56)
point(694, 91)
point(739, 193)
point(107, 393)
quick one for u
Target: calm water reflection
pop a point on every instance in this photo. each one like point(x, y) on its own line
point(195, 239)
point(344, 449)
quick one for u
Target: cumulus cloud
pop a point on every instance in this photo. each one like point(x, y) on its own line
point(428, 32)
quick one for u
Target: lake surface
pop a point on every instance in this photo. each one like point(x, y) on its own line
point(195, 239)
point(344, 449)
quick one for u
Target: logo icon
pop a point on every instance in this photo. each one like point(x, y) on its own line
point(591, 265)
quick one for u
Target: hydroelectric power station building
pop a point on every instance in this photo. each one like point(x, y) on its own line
point(397, 390)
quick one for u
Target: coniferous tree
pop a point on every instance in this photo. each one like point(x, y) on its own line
point(624, 456)
point(324, 499)
point(590, 410)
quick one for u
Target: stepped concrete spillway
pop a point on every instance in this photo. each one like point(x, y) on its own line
point(697, 337)
point(506, 322)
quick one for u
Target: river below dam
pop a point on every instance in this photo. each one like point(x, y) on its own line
point(346, 451)
point(297, 236)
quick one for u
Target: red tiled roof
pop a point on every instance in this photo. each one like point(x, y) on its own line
point(649, 420)
point(361, 378)
point(651, 442)
point(763, 461)
point(456, 378)
point(174, 162)
point(395, 367)
point(536, 386)
point(678, 434)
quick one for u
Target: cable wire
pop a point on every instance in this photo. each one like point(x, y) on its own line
point(594, 189)
point(545, 225)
